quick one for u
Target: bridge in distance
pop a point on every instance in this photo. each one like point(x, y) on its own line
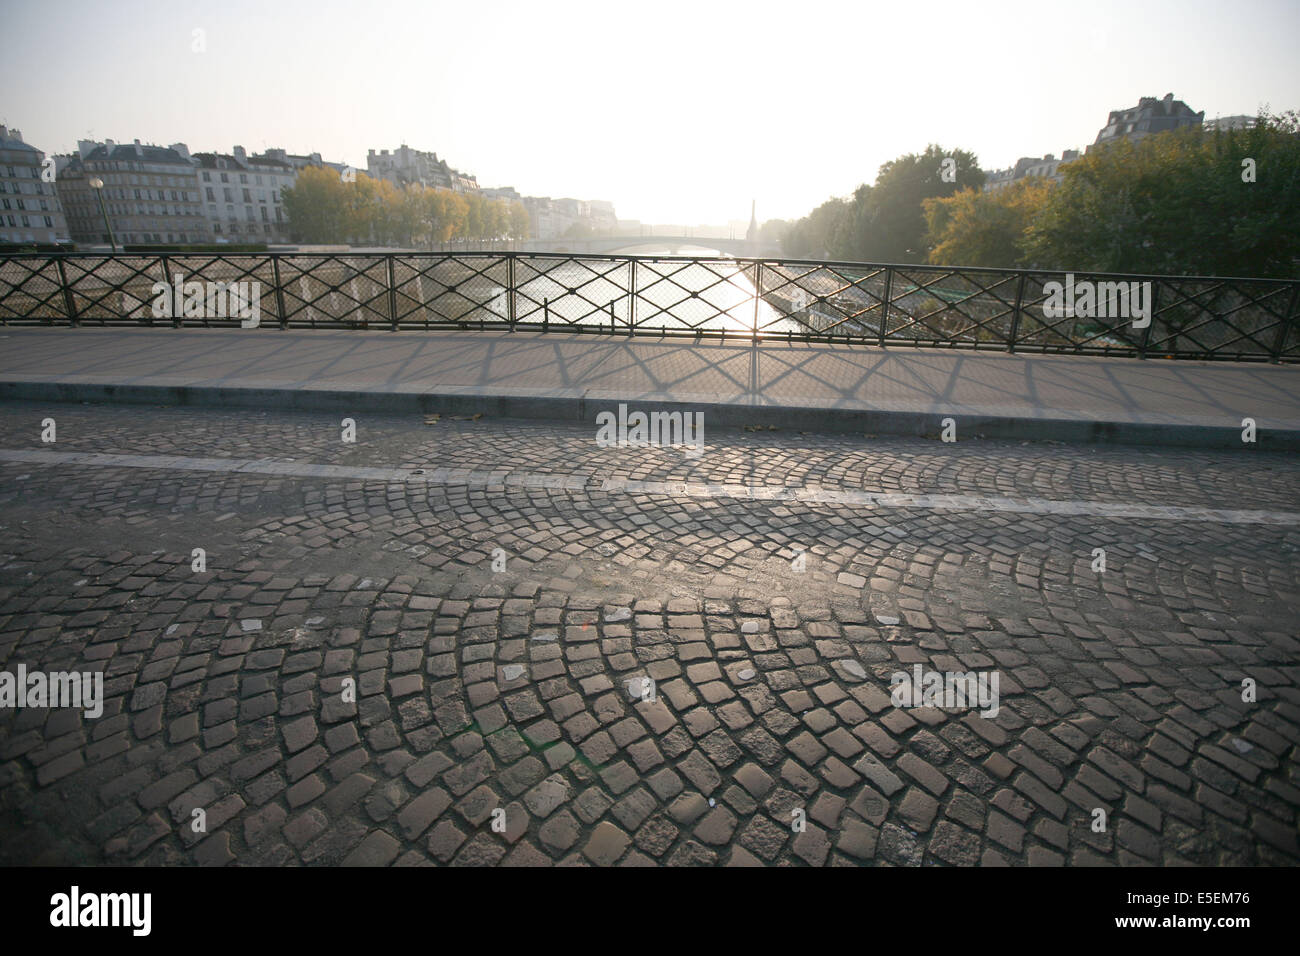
point(632, 245)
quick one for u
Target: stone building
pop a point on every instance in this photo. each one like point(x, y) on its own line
point(30, 210)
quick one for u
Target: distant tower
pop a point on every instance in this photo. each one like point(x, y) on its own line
point(751, 235)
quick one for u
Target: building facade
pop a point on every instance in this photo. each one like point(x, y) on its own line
point(1046, 167)
point(1149, 117)
point(1231, 122)
point(30, 210)
point(242, 195)
point(150, 194)
point(406, 166)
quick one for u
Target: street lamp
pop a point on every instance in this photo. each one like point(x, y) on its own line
point(97, 184)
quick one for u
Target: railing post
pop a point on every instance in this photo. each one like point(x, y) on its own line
point(279, 292)
point(546, 314)
point(392, 292)
point(611, 316)
point(1288, 320)
point(167, 277)
point(758, 295)
point(510, 288)
point(69, 300)
point(631, 298)
point(1015, 316)
point(1146, 331)
point(884, 308)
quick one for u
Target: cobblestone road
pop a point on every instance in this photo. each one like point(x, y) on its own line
point(769, 627)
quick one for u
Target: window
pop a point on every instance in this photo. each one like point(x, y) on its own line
point(243, 177)
point(207, 176)
point(211, 198)
point(225, 178)
point(247, 196)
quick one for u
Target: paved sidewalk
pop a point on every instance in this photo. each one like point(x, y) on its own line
point(571, 376)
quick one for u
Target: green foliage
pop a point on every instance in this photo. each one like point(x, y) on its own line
point(977, 228)
point(324, 209)
point(1176, 203)
point(884, 222)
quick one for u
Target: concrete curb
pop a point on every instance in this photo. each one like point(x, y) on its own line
point(583, 408)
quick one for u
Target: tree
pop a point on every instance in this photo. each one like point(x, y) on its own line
point(812, 236)
point(445, 212)
point(891, 226)
point(976, 228)
point(885, 222)
point(1176, 203)
point(315, 205)
point(521, 226)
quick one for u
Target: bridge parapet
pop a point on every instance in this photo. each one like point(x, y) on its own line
point(585, 290)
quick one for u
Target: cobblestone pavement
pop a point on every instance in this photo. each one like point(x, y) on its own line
point(521, 689)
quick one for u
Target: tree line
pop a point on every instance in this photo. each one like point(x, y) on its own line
point(1190, 201)
point(322, 208)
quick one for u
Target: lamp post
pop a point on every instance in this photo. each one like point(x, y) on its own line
point(97, 184)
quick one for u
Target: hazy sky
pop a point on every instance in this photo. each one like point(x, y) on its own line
point(677, 112)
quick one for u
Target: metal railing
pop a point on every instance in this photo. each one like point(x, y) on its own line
point(872, 304)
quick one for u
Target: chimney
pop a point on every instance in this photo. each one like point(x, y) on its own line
point(239, 153)
point(109, 144)
point(181, 149)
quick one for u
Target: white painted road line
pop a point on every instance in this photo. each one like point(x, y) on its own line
point(504, 478)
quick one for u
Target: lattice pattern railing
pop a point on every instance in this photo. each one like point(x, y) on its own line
point(1191, 317)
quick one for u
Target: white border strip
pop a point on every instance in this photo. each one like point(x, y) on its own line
point(503, 478)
